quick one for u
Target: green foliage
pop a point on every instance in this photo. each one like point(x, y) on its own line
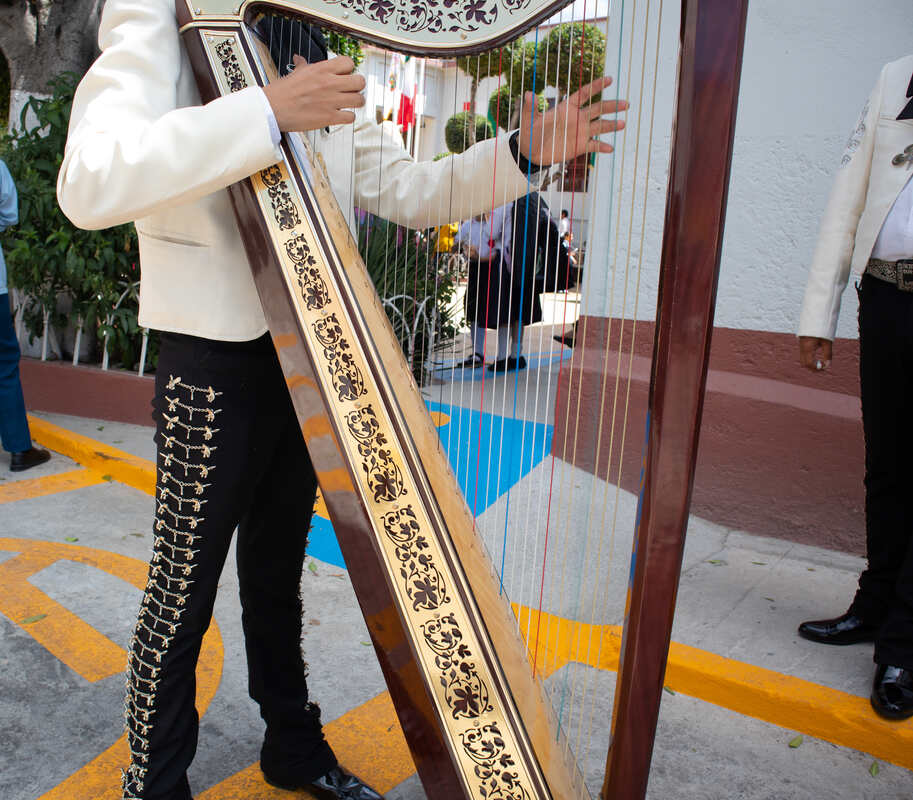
point(344, 45)
point(526, 67)
point(48, 257)
point(502, 107)
point(574, 56)
point(401, 263)
point(439, 156)
point(489, 64)
point(457, 130)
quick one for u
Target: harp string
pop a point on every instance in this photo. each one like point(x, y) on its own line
point(567, 688)
point(519, 562)
point(650, 127)
point(560, 522)
point(551, 517)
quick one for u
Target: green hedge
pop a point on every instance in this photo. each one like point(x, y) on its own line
point(48, 257)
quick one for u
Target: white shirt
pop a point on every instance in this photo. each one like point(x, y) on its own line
point(564, 225)
point(895, 241)
point(485, 234)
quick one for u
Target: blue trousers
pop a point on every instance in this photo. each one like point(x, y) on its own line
point(14, 427)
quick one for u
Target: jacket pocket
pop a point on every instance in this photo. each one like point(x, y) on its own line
point(170, 238)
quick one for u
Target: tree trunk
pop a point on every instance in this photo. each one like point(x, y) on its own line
point(471, 128)
point(42, 38)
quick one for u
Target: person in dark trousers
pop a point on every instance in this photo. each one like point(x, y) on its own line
point(867, 231)
point(14, 425)
point(230, 453)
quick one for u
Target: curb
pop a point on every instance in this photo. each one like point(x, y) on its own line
point(111, 462)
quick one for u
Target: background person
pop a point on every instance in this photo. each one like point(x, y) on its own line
point(867, 230)
point(229, 448)
point(14, 425)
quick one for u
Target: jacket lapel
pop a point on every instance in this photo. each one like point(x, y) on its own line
point(907, 112)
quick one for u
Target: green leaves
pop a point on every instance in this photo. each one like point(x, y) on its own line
point(874, 769)
point(32, 619)
point(47, 256)
point(796, 742)
point(575, 55)
point(457, 133)
point(417, 296)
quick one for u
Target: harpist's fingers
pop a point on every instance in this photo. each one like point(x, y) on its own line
point(585, 92)
point(342, 118)
point(346, 100)
point(606, 107)
point(595, 146)
point(606, 126)
point(341, 65)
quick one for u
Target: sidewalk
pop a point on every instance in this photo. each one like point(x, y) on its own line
point(74, 539)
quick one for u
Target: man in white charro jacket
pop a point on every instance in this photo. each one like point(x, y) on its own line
point(867, 230)
point(230, 451)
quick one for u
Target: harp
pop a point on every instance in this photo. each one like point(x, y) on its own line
point(464, 667)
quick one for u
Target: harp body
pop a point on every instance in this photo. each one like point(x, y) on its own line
point(475, 716)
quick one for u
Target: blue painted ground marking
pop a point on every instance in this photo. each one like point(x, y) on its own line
point(461, 438)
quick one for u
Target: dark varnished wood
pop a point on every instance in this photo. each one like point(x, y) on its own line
point(712, 36)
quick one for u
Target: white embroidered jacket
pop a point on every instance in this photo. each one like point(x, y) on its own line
point(141, 147)
point(864, 190)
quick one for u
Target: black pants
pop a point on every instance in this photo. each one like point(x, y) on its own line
point(230, 454)
point(885, 595)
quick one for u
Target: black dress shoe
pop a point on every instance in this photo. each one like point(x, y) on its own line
point(848, 629)
point(337, 784)
point(892, 692)
point(27, 459)
point(508, 364)
point(473, 362)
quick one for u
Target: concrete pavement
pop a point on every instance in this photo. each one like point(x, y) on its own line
point(742, 685)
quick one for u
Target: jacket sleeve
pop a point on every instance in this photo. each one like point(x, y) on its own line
point(130, 150)
point(420, 194)
point(830, 267)
point(9, 199)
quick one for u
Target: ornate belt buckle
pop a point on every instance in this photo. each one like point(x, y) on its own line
point(905, 275)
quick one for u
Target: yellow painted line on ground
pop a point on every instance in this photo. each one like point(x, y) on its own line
point(789, 702)
point(844, 719)
point(368, 742)
point(63, 634)
point(100, 778)
point(49, 484)
point(106, 460)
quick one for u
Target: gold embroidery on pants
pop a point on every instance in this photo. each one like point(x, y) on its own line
point(171, 567)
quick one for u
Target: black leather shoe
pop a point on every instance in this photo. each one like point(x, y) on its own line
point(892, 692)
point(473, 362)
point(28, 459)
point(508, 364)
point(337, 784)
point(848, 629)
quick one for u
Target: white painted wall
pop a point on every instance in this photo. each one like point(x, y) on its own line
point(808, 69)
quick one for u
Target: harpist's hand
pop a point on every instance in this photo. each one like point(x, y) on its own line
point(570, 128)
point(313, 96)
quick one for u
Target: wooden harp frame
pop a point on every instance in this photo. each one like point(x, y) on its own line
point(475, 719)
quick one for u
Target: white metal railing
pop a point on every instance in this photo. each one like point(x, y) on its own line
point(47, 335)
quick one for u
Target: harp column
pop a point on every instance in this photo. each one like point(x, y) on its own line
point(712, 38)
